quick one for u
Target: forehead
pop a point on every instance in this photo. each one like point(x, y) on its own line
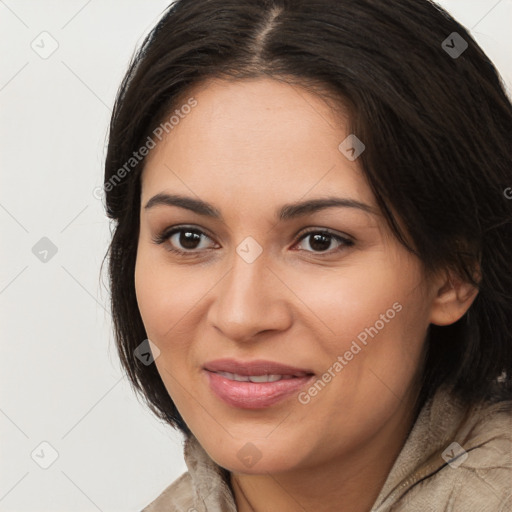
point(261, 137)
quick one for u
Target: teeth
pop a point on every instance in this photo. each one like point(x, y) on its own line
point(254, 378)
point(265, 378)
point(234, 376)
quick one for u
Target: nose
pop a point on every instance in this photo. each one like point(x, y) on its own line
point(249, 300)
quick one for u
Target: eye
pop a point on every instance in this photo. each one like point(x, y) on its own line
point(186, 241)
point(182, 240)
point(321, 239)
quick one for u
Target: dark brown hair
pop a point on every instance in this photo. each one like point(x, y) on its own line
point(436, 126)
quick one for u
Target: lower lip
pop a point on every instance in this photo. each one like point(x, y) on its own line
point(254, 395)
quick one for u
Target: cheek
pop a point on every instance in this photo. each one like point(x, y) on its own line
point(168, 297)
point(375, 319)
point(344, 304)
point(156, 291)
point(164, 298)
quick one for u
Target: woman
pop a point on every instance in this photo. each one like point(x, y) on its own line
point(310, 265)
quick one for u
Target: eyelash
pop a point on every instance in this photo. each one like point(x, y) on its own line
point(167, 234)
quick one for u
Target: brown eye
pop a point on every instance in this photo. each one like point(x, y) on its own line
point(187, 239)
point(182, 240)
point(321, 241)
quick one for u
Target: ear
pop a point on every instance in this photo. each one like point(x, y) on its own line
point(453, 297)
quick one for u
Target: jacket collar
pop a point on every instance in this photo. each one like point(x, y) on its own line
point(210, 481)
point(438, 422)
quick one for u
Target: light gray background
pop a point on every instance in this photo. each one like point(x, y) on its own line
point(60, 378)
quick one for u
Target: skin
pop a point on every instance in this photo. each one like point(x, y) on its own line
point(249, 147)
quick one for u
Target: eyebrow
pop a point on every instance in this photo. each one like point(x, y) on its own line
point(286, 212)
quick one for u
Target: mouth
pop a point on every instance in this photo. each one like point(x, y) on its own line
point(254, 384)
point(256, 378)
point(241, 370)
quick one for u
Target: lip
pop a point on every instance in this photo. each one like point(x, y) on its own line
point(256, 367)
point(254, 395)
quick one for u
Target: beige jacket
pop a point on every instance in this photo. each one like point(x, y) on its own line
point(431, 474)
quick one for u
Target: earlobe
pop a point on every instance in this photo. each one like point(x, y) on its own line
point(454, 297)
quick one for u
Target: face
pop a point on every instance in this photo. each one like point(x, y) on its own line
point(326, 290)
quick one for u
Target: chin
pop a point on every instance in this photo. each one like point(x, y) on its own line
point(254, 458)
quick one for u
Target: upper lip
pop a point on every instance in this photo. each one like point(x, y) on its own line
point(255, 367)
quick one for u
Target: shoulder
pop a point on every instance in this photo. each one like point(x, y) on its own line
point(178, 496)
